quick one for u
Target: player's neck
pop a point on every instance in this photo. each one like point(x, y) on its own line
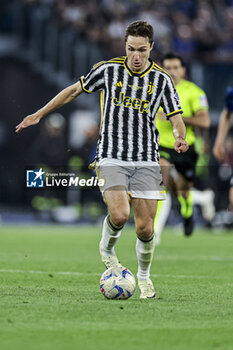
point(147, 65)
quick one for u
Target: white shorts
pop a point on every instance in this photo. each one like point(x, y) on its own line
point(141, 179)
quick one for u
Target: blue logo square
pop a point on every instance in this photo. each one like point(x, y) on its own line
point(35, 178)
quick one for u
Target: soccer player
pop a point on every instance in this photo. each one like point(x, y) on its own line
point(223, 128)
point(179, 177)
point(132, 89)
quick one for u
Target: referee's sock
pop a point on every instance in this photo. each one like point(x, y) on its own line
point(187, 213)
point(186, 205)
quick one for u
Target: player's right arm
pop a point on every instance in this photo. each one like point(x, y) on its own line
point(179, 132)
point(65, 96)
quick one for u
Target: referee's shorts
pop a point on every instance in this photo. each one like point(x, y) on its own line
point(185, 163)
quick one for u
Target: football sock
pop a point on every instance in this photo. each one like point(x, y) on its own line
point(163, 210)
point(110, 235)
point(186, 205)
point(206, 201)
point(144, 251)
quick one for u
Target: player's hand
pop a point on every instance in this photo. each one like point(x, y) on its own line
point(181, 145)
point(219, 151)
point(32, 119)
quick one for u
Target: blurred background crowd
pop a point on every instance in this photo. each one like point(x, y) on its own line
point(196, 29)
point(47, 44)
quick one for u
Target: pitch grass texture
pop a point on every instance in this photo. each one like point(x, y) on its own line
point(50, 298)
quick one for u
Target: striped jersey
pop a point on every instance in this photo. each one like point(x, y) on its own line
point(129, 102)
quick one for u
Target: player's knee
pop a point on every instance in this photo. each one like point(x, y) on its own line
point(120, 218)
point(145, 231)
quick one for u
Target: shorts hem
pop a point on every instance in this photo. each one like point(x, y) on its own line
point(144, 195)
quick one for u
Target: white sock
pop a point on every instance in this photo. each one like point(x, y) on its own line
point(109, 238)
point(206, 200)
point(199, 197)
point(161, 218)
point(144, 251)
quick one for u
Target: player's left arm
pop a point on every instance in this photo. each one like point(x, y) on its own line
point(200, 119)
point(171, 105)
point(179, 132)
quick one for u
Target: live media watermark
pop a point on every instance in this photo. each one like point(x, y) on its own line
point(215, 177)
point(41, 179)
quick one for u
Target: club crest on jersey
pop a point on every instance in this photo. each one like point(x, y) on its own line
point(150, 88)
point(136, 103)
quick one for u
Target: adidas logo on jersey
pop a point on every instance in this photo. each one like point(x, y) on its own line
point(119, 84)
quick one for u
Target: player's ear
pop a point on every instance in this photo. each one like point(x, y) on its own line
point(151, 45)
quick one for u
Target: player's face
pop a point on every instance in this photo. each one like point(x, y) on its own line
point(138, 51)
point(175, 69)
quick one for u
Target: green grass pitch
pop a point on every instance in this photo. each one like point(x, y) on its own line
point(50, 297)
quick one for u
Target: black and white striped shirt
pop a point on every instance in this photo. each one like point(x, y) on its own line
point(129, 102)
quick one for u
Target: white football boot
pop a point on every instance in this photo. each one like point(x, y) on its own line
point(110, 260)
point(146, 289)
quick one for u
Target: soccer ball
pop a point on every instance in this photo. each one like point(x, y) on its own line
point(117, 283)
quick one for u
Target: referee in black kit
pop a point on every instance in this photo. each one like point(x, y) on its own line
point(132, 88)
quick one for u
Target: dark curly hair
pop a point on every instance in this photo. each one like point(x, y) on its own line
point(140, 28)
point(171, 56)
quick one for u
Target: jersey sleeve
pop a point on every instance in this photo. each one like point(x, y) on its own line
point(94, 80)
point(170, 100)
point(198, 100)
